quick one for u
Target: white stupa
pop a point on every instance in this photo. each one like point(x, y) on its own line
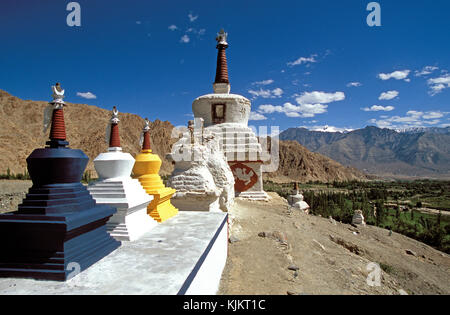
point(296, 200)
point(202, 177)
point(116, 188)
point(226, 116)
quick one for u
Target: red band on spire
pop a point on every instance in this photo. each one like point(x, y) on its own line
point(146, 144)
point(222, 68)
point(58, 129)
point(114, 139)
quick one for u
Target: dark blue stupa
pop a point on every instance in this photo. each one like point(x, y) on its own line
point(58, 222)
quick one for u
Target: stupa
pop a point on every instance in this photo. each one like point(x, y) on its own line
point(296, 200)
point(116, 188)
point(58, 227)
point(358, 218)
point(146, 170)
point(202, 178)
point(226, 116)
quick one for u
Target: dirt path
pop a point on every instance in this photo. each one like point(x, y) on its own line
point(332, 258)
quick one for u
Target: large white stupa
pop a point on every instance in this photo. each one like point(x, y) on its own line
point(226, 116)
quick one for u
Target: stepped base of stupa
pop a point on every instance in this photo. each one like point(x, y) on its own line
point(127, 195)
point(160, 208)
point(51, 247)
point(197, 201)
point(184, 255)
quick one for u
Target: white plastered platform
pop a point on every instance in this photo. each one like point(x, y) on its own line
point(184, 255)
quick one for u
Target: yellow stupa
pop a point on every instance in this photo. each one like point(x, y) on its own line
point(146, 170)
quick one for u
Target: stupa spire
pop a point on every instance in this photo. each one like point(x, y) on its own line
point(221, 83)
point(114, 137)
point(145, 138)
point(58, 127)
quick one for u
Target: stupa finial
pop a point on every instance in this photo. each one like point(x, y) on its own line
point(222, 68)
point(54, 117)
point(58, 95)
point(112, 132)
point(222, 38)
point(115, 116)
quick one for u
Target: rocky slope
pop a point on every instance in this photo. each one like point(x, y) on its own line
point(299, 164)
point(21, 132)
point(274, 250)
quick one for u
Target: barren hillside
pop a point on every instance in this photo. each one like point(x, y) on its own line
point(299, 164)
point(21, 131)
point(275, 250)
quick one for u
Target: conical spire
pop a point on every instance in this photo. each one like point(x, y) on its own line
point(58, 127)
point(222, 68)
point(146, 136)
point(58, 130)
point(114, 138)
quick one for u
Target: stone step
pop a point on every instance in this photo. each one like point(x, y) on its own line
point(114, 195)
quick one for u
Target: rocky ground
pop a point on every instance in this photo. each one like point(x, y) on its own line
point(12, 192)
point(274, 250)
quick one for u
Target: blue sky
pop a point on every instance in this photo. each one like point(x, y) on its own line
point(302, 63)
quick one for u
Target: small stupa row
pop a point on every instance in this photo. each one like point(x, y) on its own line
point(116, 188)
point(141, 202)
point(62, 222)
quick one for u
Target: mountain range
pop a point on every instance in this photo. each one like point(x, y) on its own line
point(419, 152)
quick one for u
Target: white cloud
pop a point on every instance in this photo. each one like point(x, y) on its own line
point(264, 82)
point(354, 84)
point(433, 115)
point(269, 109)
point(173, 27)
point(193, 30)
point(257, 116)
point(291, 110)
point(390, 95)
point(311, 110)
point(398, 75)
point(86, 95)
point(293, 115)
point(302, 60)
point(437, 85)
point(309, 105)
point(192, 17)
point(377, 108)
point(425, 71)
point(138, 22)
point(412, 119)
point(185, 39)
point(320, 97)
point(275, 93)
